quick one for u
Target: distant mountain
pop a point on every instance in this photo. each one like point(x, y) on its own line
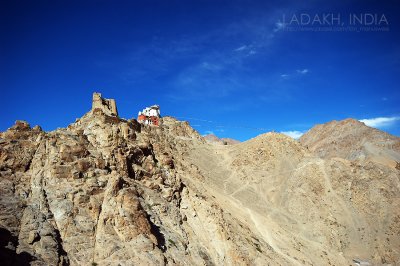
point(211, 138)
point(353, 140)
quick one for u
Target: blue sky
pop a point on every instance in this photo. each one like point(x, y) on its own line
point(229, 67)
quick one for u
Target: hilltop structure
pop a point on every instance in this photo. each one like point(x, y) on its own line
point(108, 106)
point(150, 115)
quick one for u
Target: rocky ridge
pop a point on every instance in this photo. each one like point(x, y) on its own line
point(353, 140)
point(111, 191)
point(223, 141)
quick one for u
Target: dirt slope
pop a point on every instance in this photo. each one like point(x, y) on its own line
point(223, 141)
point(353, 140)
point(308, 210)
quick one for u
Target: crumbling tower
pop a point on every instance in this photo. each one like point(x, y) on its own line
point(108, 106)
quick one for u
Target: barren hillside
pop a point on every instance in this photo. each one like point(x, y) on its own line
point(353, 140)
point(223, 141)
point(300, 205)
point(110, 191)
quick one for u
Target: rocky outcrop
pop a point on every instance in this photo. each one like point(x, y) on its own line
point(103, 190)
point(109, 191)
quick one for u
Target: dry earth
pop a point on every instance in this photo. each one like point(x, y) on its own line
point(223, 141)
point(353, 140)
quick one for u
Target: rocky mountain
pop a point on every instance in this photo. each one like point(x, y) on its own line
point(353, 140)
point(211, 138)
point(110, 191)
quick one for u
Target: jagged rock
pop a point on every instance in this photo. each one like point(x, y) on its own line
point(33, 237)
point(110, 191)
point(20, 125)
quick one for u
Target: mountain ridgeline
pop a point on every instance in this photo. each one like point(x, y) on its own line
point(111, 191)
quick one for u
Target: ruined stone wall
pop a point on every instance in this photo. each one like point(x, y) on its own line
point(108, 106)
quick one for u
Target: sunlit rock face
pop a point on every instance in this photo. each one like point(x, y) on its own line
point(111, 191)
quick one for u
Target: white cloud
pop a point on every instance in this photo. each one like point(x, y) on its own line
point(208, 132)
point(302, 71)
point(241, 48)
point(381, 122)
point(250, 41)
point(293, 134)
point(293, 74)
point(246, 49)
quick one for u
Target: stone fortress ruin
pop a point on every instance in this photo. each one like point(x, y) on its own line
point(108, 106)
point(149, 115)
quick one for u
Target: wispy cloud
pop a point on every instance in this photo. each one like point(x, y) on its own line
point(381, 122)
point(299, 72)
point(223, 72)
point(279, 26)
point(210, 65)
point(202, 81)
point(208, 132)
point(247, 49)
point(293, 134)
point(302, 71)
point(241, 48)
